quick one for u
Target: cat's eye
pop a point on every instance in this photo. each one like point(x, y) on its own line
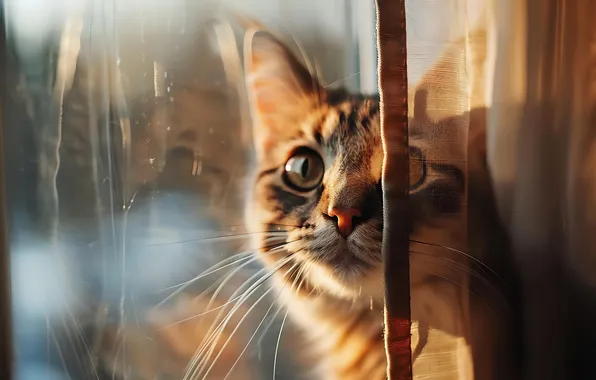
point(304, 170)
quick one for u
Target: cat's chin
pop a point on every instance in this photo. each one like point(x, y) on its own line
point(348, 284)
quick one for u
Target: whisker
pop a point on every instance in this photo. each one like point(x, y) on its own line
point(250, 309)
point(216, 293)
point(277, 344)
point(259, 342)
point(190, 282)
point(256, 329)
point(302, 273)
point(461, 286)
point(299, 275)
point(272, 250)
point(211, 239)
point(247, 293)
point(342, 79)
point(224, 226)
point(186, 284)
point(209, 335)
point(455, 265)
point(476, 260)
point(303, 278)
point(283, 322)
point(208, 308)
point(208, 344)
point(213, 269)
point(214, 296)
point(213, 339)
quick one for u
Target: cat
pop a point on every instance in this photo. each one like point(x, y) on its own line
point(319, 158)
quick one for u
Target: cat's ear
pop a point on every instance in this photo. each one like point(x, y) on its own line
point(280, 88)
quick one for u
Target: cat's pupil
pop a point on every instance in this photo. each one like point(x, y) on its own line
point(304, 170)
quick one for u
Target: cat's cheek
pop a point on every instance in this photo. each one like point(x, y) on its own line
point(294, 247)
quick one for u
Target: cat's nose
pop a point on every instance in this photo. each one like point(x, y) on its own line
point(345, 219)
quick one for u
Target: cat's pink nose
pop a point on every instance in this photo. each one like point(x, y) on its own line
point(345, 219)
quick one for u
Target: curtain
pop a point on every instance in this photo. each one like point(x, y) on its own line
point(462, 316)
point(511, 85)
point(541, 155)
point(466, 323)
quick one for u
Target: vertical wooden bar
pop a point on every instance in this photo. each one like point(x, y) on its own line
point(393, 87)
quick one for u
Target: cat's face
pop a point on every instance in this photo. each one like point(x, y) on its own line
point(319, 169)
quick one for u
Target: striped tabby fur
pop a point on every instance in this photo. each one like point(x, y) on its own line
point(331, 285)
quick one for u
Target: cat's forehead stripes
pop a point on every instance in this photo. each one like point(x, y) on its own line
point(351, 134)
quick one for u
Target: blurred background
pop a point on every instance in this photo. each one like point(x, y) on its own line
point(126, 143)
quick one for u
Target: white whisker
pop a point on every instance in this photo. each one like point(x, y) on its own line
point(266, 329)
point(218, 238)
point(283, 322)
point(449, 263)
point(342, 79)
point(232, 334)
point(455, 265)
point(214, 296)
point(245, 296)
point(209, 271)
point(461, 286)
point(210, 334)
point(273, 250)
point(467, 255)
point(256, 329)
point(224, 264)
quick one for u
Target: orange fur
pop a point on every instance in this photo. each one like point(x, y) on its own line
point(336, 293)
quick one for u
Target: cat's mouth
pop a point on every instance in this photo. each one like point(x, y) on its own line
point(347, 262)
point(354, 256)
point(342, 269)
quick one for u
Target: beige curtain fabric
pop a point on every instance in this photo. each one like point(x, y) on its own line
point(459, 324)
point(542, 144)
point(515, 78)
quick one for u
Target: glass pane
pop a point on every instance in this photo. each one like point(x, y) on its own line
point(127, 144)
